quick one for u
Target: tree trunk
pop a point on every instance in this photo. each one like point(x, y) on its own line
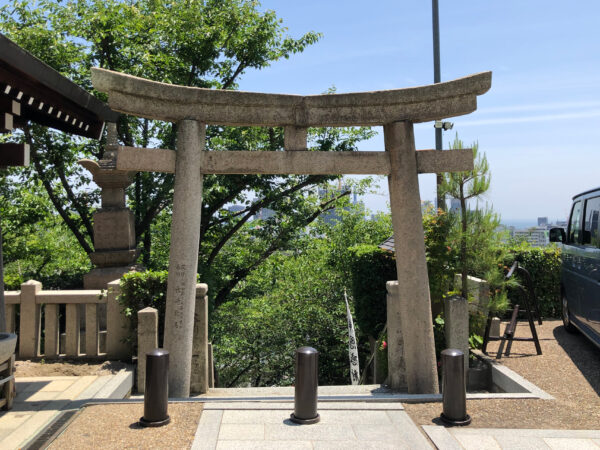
point(463, 243)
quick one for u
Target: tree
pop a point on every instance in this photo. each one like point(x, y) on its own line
point(37, 243)
point(193, 43)
point(475, 233)
point(295, 299)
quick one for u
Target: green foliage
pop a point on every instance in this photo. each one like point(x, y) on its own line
point(140, 290)
point(441, 257)
point(439, 335)
point(544, 266)
point(295, 298)
point(37, 244)
point(372, 268)
point(349, 229)
point(477, 322)
point(301, 304)
point(206, 44)
point(475, 341)
point(382, 356)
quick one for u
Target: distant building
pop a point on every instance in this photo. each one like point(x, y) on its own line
point(236, 208)
point(542, 221)
point(264, 213)
point(536, 236)
point(561, 224)
point(333, 215)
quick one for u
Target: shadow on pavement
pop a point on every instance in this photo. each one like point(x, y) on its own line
point(584, 354)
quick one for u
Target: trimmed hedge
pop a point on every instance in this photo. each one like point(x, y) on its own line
point(544, 265)
point(371, 268)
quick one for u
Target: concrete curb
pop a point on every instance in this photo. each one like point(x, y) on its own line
point(511, 382)
point(441, 438)
point(118, 387)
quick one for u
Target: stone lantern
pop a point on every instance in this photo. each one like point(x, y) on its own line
point(114, 225)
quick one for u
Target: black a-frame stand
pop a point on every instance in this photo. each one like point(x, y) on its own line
point(530, 308)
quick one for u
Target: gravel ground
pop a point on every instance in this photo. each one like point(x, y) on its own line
point(66, 368)
point(115, 426)
point(568, 369)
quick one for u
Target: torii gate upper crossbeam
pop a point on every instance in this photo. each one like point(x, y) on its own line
point(161, 101)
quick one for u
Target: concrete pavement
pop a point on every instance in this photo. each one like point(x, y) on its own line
point(504, 438)
point(40, 400)
point(343, 425)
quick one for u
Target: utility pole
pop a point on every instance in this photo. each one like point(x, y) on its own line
point(441, 202)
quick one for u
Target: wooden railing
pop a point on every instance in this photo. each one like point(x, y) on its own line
point(35, 303)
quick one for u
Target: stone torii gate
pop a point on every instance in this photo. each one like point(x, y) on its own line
point(396, 110)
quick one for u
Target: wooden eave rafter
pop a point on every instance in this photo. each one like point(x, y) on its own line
point(46, 97)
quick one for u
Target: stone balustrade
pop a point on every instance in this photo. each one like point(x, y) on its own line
point(36, 305)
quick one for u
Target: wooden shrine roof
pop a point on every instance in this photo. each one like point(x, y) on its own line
point(30, 90)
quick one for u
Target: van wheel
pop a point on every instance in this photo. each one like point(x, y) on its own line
point(566, 315)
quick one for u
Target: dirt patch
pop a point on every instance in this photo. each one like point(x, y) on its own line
point(66, 368)
point(568, 369)
point(116, 426)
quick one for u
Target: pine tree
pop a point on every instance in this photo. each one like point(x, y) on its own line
point(475, 230)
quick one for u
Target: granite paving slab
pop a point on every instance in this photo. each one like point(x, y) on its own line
point(513, 439)
point(229, 425)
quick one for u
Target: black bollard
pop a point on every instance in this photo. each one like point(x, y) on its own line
point(307, 382)
point(156, 395)
point(454, 391)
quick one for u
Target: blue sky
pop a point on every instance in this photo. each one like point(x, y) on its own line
point(538, 125)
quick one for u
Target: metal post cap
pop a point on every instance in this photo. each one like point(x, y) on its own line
point(158, 352)
point(452, 352)
point(307, 350)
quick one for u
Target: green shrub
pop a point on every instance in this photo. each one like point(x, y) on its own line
point(140, 290)
point(543, 264)
point(441, 257)
point(372, 268)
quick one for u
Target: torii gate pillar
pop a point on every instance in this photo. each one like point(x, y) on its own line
point(411, 264)
point(183, 255)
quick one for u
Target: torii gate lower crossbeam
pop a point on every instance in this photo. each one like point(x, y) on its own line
point(193, 108)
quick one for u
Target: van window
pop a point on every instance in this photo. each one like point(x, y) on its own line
point(575, 224)
point(590, 226)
